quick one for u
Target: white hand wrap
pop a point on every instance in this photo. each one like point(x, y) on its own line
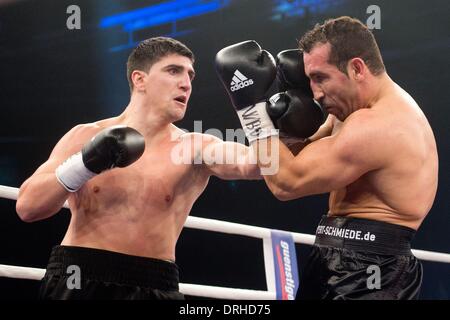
point(72, 173)
point(256, 122)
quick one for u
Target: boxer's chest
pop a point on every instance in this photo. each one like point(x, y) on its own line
point(157, 178)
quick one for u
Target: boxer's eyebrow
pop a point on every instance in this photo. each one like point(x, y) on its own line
point(316, 74)
point(180, 68)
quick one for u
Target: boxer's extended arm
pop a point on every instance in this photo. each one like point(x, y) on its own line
point(41, 195)
point(329, 163)
point(229, 160)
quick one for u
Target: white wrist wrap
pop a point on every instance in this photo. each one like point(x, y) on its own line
point(256, 122)
point(72, 173)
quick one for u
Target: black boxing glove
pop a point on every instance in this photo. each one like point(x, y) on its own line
point(247, 72)
point(293, 110)
point(295, 114)
point(291, 72)
point(117, 146)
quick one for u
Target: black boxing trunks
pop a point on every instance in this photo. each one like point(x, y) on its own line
point(107, 275)
point(361, 259)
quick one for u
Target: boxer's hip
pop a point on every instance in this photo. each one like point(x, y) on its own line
point(107, 275)
point(364, 235)
point(361, 259)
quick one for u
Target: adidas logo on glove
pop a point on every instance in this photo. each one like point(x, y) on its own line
point(239, 81)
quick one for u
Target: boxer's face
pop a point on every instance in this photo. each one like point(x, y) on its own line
point(168, 86)
point(336, 92)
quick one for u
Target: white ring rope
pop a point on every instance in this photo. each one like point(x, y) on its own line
point(208, 225)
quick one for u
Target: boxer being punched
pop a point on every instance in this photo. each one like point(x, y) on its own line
point(376, 156)
point(129, 193)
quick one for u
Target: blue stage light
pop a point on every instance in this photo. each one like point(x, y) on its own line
point(163, 13)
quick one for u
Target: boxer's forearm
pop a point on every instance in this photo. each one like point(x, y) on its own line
point(40, 197)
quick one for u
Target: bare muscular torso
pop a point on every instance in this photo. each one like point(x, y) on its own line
point(137, 210)
point(403, 190)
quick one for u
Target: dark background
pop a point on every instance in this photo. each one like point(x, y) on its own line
point(52, 78)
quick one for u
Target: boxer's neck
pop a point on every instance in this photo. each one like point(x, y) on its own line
point(376, 89)
point(149, 124)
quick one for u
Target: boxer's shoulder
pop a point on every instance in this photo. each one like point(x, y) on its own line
point(361, 124)
point(104, 123)
point(82, 132)
point(198, 137)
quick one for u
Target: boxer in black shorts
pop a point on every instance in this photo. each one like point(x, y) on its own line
point(375, 154)
point(131, 181)
point(108, 275)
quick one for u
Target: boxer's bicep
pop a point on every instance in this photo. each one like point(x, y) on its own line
point(330, 165)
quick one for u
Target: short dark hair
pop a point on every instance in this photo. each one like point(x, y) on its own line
point(150, 51)
point(349, 38)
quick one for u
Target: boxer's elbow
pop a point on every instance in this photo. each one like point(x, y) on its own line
point(284, 187)
point(31, 211)
point(24, 210)
point(23, 207)
point(285, 194)
point(38, 200)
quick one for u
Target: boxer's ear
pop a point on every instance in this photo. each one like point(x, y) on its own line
point(138, 79)
point(356, 69)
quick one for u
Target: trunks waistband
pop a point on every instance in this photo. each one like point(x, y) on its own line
point(109, 266)
point(364, 235)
